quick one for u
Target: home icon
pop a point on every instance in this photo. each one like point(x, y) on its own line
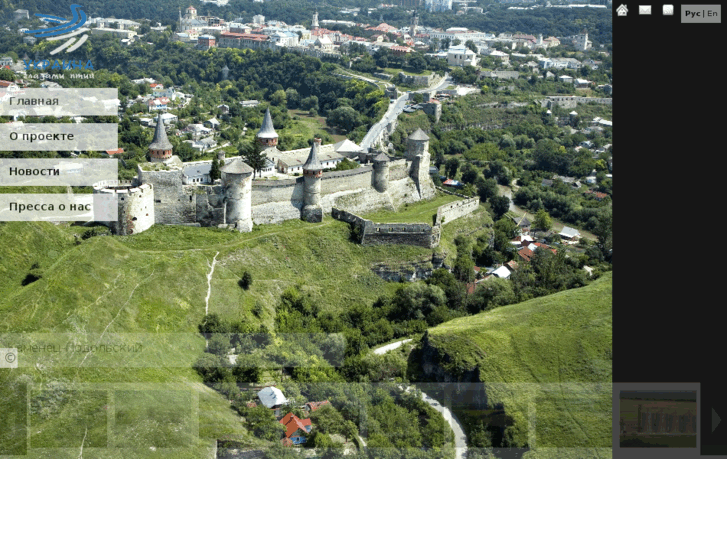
point(622, 10)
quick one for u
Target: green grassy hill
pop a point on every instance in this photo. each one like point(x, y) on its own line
point(548, 362)
point(140, 299)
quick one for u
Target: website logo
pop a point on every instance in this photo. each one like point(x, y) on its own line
point(65, 29)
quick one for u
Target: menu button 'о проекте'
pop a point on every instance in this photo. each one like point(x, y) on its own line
point(20, 136)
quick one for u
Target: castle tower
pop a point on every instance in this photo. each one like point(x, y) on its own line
point(267, 135)
point(381, 172)
point(160, 148)
point(237, 188)
point(417, 144)
point(135, 205)
point(417, 152)
point(312, 173)
point(314, 24)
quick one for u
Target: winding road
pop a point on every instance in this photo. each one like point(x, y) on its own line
point(460, 439)
point(395, 108)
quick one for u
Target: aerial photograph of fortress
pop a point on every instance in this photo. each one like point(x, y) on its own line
point(340, 231)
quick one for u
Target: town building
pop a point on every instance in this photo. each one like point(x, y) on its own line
point(459, 55)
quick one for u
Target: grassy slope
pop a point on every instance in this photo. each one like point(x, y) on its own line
point(148, 292)
point(547, 360)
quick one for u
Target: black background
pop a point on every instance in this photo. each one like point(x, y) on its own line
point(669, 142)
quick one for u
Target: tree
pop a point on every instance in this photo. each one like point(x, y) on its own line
point(469, 173)
point(278, 98)
point(464, 268)
point(350, 430)
point(253, 155)
point(417, 63)
point(7, 74)
point(309, 103)
point(344, 117)
point(219, 344)
point(451, 167)
point(246, 280)
point(500, 204)
point(215, 173)
point(542, 222)
point(486, 188)
point(501, 171)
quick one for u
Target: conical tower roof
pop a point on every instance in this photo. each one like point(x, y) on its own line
point(313, 163)
point(267, 130)
point(236, 166)
point(419, 135)
point(160, 142)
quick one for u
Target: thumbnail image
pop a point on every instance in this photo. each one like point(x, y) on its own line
point(658, 419)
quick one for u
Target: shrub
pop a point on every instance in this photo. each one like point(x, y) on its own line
point(246, 280)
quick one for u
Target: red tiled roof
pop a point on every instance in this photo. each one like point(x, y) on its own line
point(512, 265)
point(525, 253)
point(315, 405)
point(292, 423)
point(115, 151)
point(546, 247)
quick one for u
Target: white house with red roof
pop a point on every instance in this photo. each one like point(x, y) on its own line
point(158, 104)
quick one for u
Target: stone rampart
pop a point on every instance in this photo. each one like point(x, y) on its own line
point(424, 81)
point(414, 234)
point(454, 210)
point(573, 101)
point(398, 169)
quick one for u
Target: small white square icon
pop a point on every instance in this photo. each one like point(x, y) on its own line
point(8, 358)
point(644, 10)
point(667, 9)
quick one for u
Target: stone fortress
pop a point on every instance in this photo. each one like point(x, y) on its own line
point(162, 193)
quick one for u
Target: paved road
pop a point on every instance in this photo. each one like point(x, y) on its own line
point(460, 439)
point(395, 108)
point(389, 347)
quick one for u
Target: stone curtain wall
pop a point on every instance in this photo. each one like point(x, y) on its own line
point(398, 169)
point(414, 234)
point(424, 81)
point(174, 203)
point(210, 210)
point(572, 101)
point(452, 211)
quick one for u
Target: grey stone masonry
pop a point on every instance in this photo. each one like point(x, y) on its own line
point(454, 210)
